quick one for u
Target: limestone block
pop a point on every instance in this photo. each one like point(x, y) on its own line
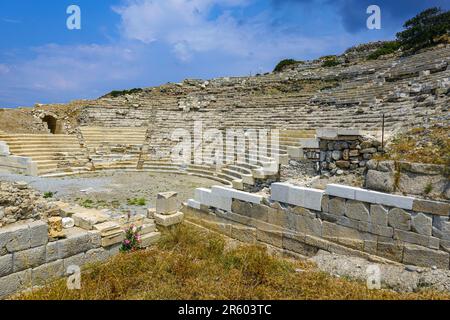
point(169, 220)
point(336, 206)
point(167, 202)
point(325, 201)
point(15, 237)
point(378, 215)
point(357, 210)
point(433, 207)
point(28, 258)
point(384, 199)
point(422, 224)
point(247, 209)
point(236, 194)
point(244, 234)
point(38, 233)
point(88, 218)
point(307, 225)
point(149, 239)
point(6, 265)
point(15, 282)
point(297, 243)
point(424, 257)
point(390, 249)
point(279, 192)
point(274, 238)
point(151, 212)
point(206, 197)
point(277, 217)
point(78, 240)
point(194, 204)
point(107, 228)
point(47, 272)
point(333, 231)
point(399, 219)
point(76, 260)
point(52, 251)
point(313, 199)
point(376, 229)
point(341, 191)
point(55, 228)
point(148, 228)
point(113, 239)
point(96, 256)
point(415, 238)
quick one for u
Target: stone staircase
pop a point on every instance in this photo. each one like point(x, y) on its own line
point(52, 153)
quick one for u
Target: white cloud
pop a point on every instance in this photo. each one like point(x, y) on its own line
point(186, 26)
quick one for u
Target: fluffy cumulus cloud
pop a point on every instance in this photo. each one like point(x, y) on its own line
point(188, 27)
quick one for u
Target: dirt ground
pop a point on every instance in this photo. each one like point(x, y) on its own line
point(115, 190)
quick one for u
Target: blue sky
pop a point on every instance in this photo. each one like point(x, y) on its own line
point(140, 43)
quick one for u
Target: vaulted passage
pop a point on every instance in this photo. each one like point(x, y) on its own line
point(52, 124)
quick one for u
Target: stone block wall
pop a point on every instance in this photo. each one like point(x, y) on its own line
point(27, 258)
point(340, 219)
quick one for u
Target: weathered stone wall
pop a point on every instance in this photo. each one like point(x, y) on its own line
point(27, 258)
point(428, 180)
point(341, 219)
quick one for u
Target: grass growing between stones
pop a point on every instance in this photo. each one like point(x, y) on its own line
point(192, 264)
point(424, 145)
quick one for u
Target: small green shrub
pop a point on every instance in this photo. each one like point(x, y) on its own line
point(385, 49)
point(330, 61)
point(285, 63)
point(87, 203)
point(137, 202)
point(118, 93)
point(48, 195)
point(428, 188)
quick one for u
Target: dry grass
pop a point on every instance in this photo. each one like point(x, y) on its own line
point(192, 264)
point(423, 145)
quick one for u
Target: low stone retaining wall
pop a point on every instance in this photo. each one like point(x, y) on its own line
point(341, 219)
point(15, 164)
point(411, 178)
point(27, 258)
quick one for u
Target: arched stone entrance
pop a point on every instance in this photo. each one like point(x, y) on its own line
point(52, 124)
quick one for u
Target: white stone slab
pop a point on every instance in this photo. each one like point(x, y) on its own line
point(385, 199)
point(338, 190)
point(296, 196)
point(194, 204)
point(313, 199)
point(206, 197)
point(236, 194)
point(279, 192)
